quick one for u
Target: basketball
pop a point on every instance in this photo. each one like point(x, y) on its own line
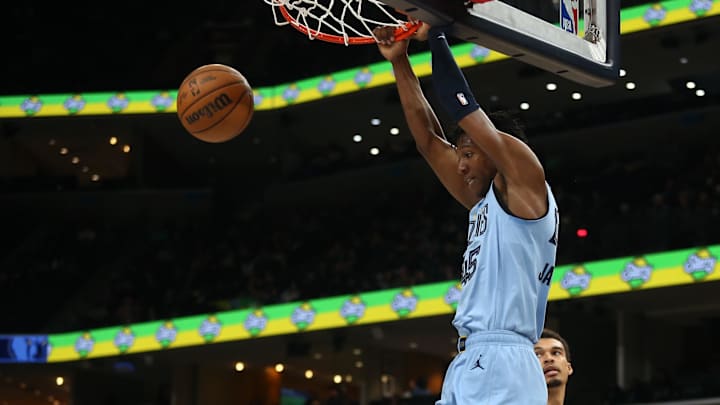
point(215, 103)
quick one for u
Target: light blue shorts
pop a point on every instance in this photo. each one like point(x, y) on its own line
point(495, 368)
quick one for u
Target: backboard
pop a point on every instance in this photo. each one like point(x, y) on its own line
point(587, 52)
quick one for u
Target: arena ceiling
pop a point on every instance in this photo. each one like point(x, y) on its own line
point(56, 49)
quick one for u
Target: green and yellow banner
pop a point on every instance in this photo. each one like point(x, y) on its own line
point(633, 19)
point(619, 275)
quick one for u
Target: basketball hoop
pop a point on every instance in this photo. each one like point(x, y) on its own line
point(348, 22)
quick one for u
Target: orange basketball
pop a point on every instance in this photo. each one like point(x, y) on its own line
point(215, 103)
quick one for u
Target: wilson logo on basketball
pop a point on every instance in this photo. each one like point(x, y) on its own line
point(209, 109)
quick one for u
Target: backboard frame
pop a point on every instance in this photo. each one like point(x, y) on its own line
point(477, 24)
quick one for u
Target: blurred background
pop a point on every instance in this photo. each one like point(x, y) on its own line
point(118, 219)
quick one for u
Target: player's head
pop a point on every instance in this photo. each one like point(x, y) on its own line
point(554, 355)
point(473, 163)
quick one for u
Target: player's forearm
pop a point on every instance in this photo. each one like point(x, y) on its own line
point(450, 85)
point(456, 97)
point(421, 119)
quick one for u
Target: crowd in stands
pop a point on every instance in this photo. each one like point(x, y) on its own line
point(97, 274)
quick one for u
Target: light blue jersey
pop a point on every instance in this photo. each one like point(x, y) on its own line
point(506, 275)
point(506, 270)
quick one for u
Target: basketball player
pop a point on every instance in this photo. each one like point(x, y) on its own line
point(511, 237)
point(554, 355)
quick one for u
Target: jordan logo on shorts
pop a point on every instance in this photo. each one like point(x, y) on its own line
point(477, 365)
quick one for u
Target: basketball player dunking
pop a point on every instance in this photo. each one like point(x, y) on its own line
point(512, 230)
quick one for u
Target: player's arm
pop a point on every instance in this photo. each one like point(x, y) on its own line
point(422, 121)
point(523, 178)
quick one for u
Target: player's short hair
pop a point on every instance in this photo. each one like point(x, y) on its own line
point(551, 334)
point(504, 120)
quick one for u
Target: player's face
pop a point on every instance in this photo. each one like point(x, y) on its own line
point(555, 365)
point(474, 166)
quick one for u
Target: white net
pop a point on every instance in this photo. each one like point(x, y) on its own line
point(348, 22)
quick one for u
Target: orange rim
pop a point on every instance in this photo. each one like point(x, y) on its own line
point(401, 33)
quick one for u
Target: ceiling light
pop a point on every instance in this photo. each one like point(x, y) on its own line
point(59, 381)
point(337, 378)
point(394, 131)
point(630, 85)
point(239, 366)
point(85, 169)
point(113, 140)
point(126, 148)
point(51, 142)
point(699, 92)
point(357, 138)
point(524, 106)
point(551, 87)
point(279, 367)
point(690, 84)
point(309, 374)
point(375, 122)
point(683, 60)
point(95, 177)
point(623, 73)
point(63, 151)
point(348, 378)
point(374, 151)
point(359, 364)
point(357, 351)
point(75, 160)
point(576, 96)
